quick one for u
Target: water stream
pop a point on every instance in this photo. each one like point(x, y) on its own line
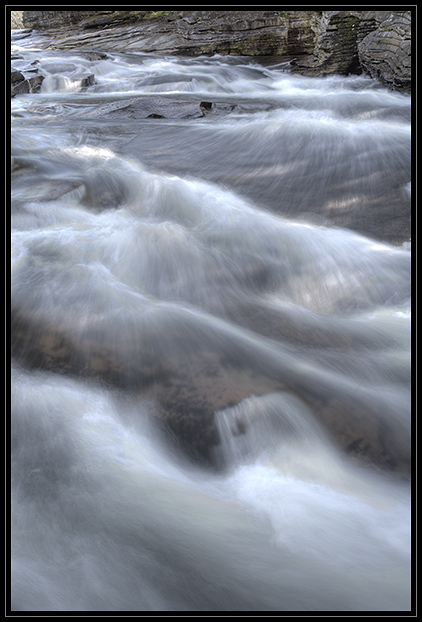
point(211, 369)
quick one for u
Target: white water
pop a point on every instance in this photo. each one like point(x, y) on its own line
point(125, 226)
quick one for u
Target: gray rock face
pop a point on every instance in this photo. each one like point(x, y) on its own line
point(376, 42)
point(385, 53)
point(321, 42)
point(257, 33)
point(40, 20)
point(335, 49)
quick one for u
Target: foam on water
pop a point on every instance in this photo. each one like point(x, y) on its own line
point(121, 511)
point(153, 262)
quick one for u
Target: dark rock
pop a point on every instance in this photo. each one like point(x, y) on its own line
point(376, 42)
point(16, 76)
point(26, 81)
point(205, 107)
point(84, 81)
point(22, 84)
point(20, 88)
point(35, 83)
point(225, 32)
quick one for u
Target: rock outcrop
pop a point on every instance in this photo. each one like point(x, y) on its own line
point(318, 42)
point(25, 81)
point(335, 44)
point(41, 20)
point(255, 33)
point(375, 42)
point(385, 53)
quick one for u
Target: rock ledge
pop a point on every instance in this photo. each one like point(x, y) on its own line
point(318, 42)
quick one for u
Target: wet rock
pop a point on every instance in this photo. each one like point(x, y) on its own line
point(93, 55)
point(205, 107)
point(147, 107)
point(74, 82)
point(190, 384)
point(62, 68)
point(16, 77)
point(35, 83)
point(83, 81)
point(26, 82)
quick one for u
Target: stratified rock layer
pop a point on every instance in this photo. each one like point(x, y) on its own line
point(321, 42)
point(385, 53)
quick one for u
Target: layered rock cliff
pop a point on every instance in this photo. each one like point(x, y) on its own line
point(317, 42)
point(385, 53)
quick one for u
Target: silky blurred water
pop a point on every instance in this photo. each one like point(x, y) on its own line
point(193, 242)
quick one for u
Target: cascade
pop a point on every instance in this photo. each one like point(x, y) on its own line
point(210, 337)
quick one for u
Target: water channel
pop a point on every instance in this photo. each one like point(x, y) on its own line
point(210, 337)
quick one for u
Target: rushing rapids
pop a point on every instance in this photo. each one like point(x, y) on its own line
point(210, 335)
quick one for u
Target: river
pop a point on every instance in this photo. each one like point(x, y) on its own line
point(210, 338)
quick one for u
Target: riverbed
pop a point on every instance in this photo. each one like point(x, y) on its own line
point(210, 337)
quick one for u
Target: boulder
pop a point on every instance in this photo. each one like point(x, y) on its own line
point(25, 82)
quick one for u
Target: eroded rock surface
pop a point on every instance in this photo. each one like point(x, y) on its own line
point(385, 53)
point(320, 42)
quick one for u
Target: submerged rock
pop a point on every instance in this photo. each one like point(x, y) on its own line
point(193, 370)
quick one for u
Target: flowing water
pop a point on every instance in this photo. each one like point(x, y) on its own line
point(210, 381)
